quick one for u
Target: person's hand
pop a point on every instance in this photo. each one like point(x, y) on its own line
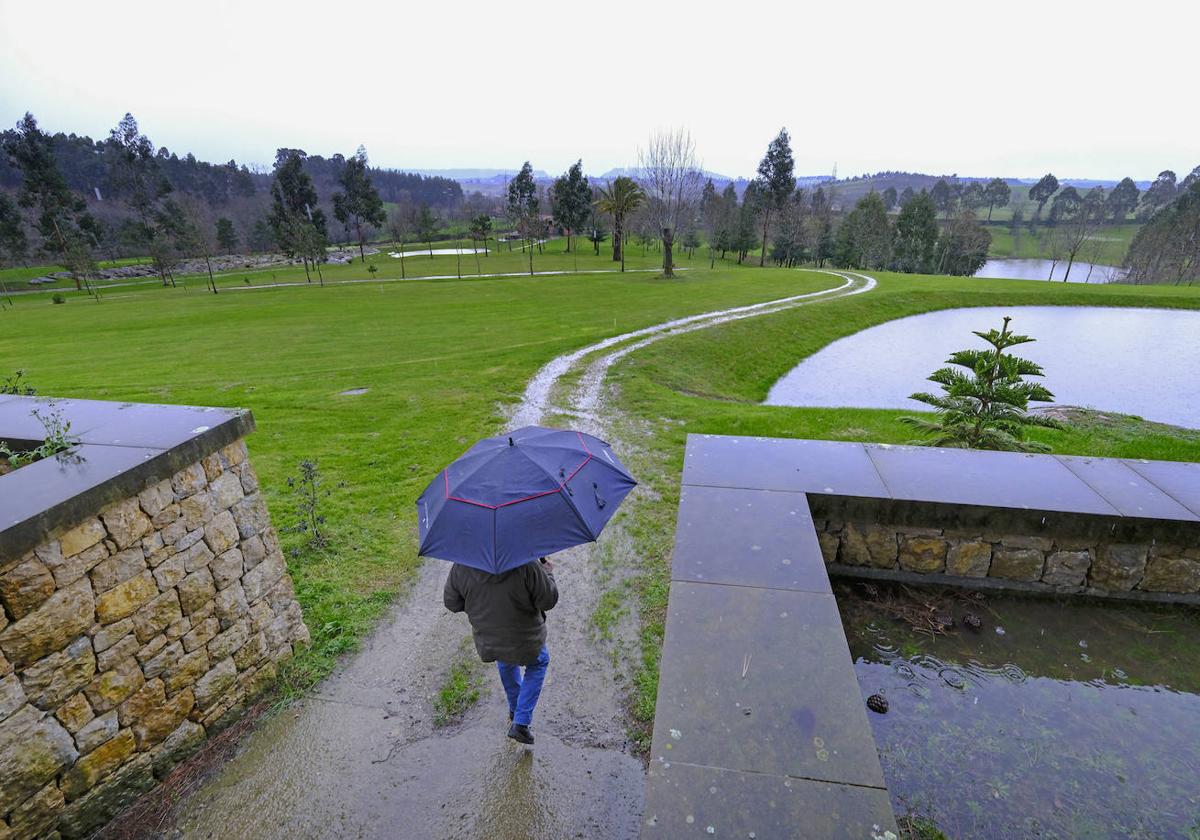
point(549, 566)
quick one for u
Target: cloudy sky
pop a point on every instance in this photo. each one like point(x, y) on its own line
point(1010, 88)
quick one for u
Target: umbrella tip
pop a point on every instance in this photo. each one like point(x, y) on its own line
point(510, 441)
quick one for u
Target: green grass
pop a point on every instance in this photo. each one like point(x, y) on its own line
point(459, 691)
point(1112, 240)
point(713, 381)
point(441, 359)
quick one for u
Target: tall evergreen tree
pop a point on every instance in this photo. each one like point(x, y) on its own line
point(916, 235)
point(1041, 192)
point(227, 239)
point(60, 215)
point(136, 177)
point(571, 197)
point(358, 205)
point(524, 208)
point(14, 245)
point(865, 238)
point(998, 193)
point(776, 182)
point(294, 207)
point(1123, 199)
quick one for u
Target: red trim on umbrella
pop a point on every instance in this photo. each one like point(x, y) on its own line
point(559, 489)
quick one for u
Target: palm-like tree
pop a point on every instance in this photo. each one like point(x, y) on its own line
point(619, 199)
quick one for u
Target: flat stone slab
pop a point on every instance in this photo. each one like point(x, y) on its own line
point(1127, 490)
point(803, 466)
point(748, 538)
point(988, 479)
point(761, 680)
point(1180, 480)
point(121, 447)
point(685, 800)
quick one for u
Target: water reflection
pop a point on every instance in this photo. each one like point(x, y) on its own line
point(1045, 270)
point(1075, 722)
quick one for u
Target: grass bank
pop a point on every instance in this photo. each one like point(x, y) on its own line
point(440, 360)
point(714, 381)
point(1111, 244)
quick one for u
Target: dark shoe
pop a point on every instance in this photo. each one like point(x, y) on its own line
point(510, 715)
point(520, 733)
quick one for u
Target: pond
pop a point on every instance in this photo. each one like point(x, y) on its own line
point(1044, 270)
point(1096, 357)
point(1053, 719)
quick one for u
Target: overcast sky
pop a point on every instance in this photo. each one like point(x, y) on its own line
point(1011, 88)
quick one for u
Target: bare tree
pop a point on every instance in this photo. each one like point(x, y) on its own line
point(670, 175)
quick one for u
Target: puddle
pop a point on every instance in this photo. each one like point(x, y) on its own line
point(1052, 719)
point(397, 255)
point(353, 392)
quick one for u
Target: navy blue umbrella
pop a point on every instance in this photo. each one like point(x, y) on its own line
point(517, 497)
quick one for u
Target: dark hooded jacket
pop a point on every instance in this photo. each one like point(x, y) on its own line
point(507, 611)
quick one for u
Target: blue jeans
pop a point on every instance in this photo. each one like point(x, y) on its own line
point(523, 692)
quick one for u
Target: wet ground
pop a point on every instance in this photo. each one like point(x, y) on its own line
point(361, 758)
point(1053, 719)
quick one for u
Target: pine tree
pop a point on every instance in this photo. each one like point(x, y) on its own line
point(358, 205)
point(987, 406)
point(571, 197)
point(776, 182)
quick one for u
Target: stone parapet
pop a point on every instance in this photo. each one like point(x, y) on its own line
point(133, 630)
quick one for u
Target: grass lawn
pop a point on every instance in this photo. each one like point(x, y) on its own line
point(441, 360)
point(713, 381)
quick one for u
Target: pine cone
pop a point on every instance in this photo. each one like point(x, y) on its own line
point(973, 621)
point(877, 703)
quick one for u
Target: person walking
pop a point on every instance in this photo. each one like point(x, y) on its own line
point(507, 612)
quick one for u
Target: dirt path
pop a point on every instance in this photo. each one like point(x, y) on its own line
point(360, 757)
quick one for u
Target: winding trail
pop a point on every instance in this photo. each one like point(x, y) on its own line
point(360, 757)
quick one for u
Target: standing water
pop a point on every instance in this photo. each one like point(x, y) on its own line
point(1052, 719)
point(1049, 271)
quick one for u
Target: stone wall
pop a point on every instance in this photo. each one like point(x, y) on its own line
point(1085, 559)
point(128, 638)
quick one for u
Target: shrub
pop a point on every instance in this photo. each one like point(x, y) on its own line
point(58, 297)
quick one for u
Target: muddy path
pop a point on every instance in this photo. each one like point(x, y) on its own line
point(360, 757)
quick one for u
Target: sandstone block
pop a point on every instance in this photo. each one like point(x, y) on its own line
point(112, 687)
point(122, 650)
point(157, 723)
point(75, 713)
point(189, 480)
point(98, 731)
point(185, 671)
point(12, 696)
point(969, 559)
point(196, 590)
point(1171, 574)
point(252, 652)
point(261, 615)
point(149, 650)
point(152, 544)
point(829, 546)
point(251, 516)
point(125, 522)
point(178, 628)
point(231, 605)
point(197, 557)
point(107, 799)
point(37, 814)
point(1017, 563)
point(1118, 567)
point(70, 569)
point(235, 453)
point(105, 636)
point(225, 491)
point(201, 633)
point(117, 569)
point(156, 616)
point(97, 764)
point(213, 466)
point(249, 478)
point(1066, 568)
point(221, 534)
point(189, 539)
point(923, 554)
point(173, 532)
point(230, 640)
point(168, 573)
point(226, 568)
point(156, 498)
point(25, 587)
point(262, 577)
point(52, 679)
point(196, 510)
point(170, 515)
point(164, 659)
point(865, 545)
point(215, 683)
point(1022, 541)
point(126, 598)
point(84, 535)
point(282, 594)
point(59, 619)
point(253, 552)
point(178, 746)
point(33, 749)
